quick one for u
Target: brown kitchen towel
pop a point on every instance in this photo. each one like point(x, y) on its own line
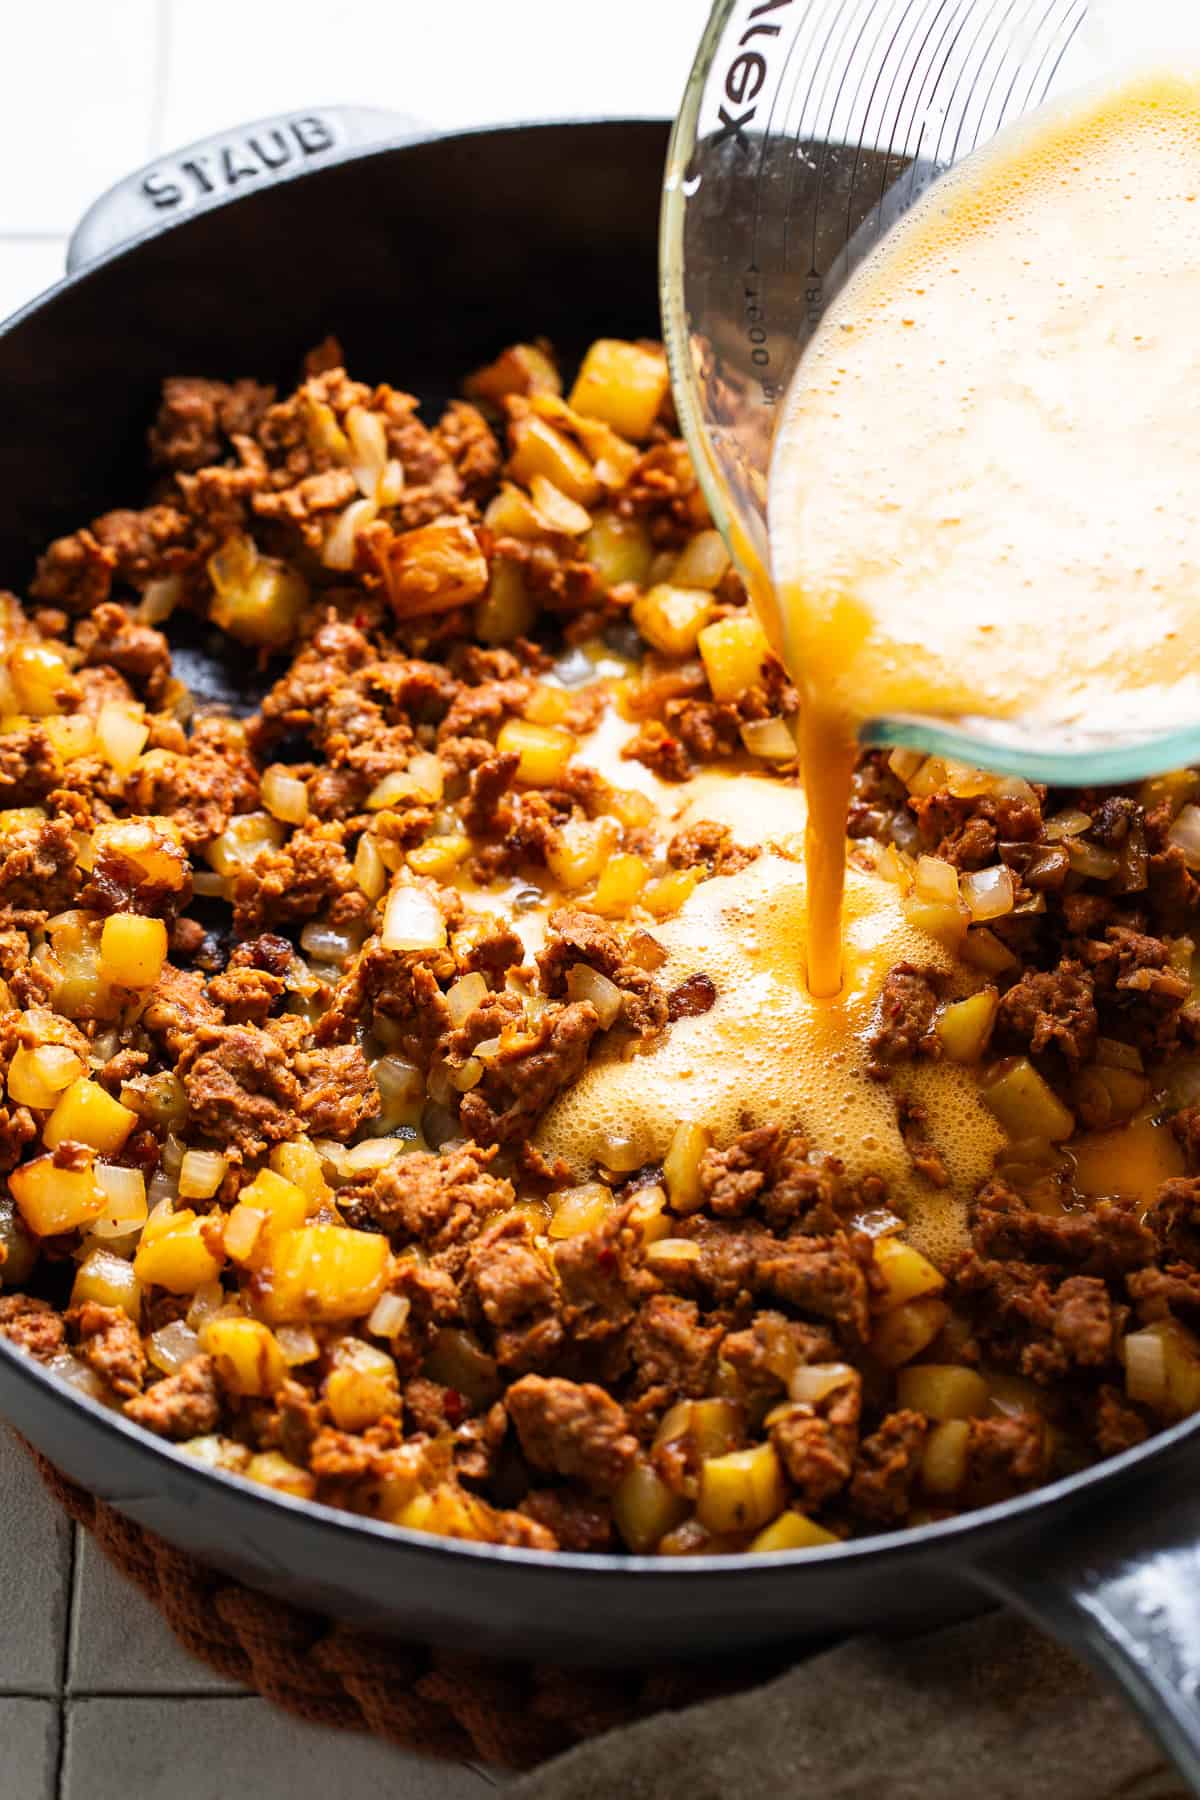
point(985, 1711)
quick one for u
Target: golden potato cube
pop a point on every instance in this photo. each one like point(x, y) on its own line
point(907, 1330)
point(538, 449)
point(906, 1273)
point(943, 921)
point(324, 1272)
point(943, 1391)
point(43, 682)
point(623, 384)
point(109, 1280)
point(121, 734)
point(86, 1114)
point(245, 1239)
point(734, 652)
point(742, 1491)
point(667, 894)
point(284, 1203)
point(793, 1531)
point(300, 1163)
point(256, 599)
point(579, 850)
point(132, 950)
point(982, 949)
point(703, 562)
point(621, 881)
point(681, 1167)
point(247, 1354)
point(521, 369)
point(619, 550)
point(362, 1387)
point(507, 610)
point(547, 705)
point(644, 1508)
point(273, 1470)
point(38, 1077)
point(544, 750)
point(1026, 1106)
point(671, 618)
point(154, 844)
point(72, 734)
point(944, 1458)
point(178, 1256)
point(51, 1199)
point(434, 568)
point(439, 856)
point(965, 1028)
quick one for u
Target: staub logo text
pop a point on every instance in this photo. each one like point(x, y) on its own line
point(747, 72)
point(225, 165)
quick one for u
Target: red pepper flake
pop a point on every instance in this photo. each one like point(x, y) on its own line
point(606, 1259)
point(454, 1406)
point(362, 620)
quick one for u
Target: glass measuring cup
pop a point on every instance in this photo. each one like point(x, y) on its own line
point(807, 129)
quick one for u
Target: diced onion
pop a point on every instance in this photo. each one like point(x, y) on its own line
point(245, 840)
point(1091, 861)
point(466, 995)
point(1068, 824)
point(1146, 1370)
point(121, 733)
point(815, 1381)
point(468, 1076)
point(324, 944)
point(672, 1253)
point(936, 880)
point(242, 1231)
point(159, 599)
point(1185, 835)
point(172, 1346)
point(297, 1343)
point(207, 1302)
point(389, 1315)
point(412, 921)
point(374, 1153)
point(422, 781)
point(370, 871)
point(201, 1173)
point(703, 561)
point(125, 1203)
point(338, 552)
point(284, 795)
point(556, 511)
point(390, 487)
point(769, 738)
point(586, 983)
point(399, 1082)
point(989, 893)
point(368, 448)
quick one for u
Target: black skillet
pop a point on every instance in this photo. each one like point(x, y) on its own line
point(426, 256)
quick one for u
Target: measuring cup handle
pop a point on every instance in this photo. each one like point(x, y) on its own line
point(220, 168)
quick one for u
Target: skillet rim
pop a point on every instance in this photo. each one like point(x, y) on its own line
point(861, 1554)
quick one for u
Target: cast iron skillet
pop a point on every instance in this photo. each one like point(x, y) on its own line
point(426, 256)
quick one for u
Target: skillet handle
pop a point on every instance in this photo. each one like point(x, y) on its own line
point(225, 166)
point(1131, 1610)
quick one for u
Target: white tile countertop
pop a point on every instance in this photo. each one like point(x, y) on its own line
point(97, 1702)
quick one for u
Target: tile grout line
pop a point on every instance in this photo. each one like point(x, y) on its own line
point(64, 1664)
point(162, 66)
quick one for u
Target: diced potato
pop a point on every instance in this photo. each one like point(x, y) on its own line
point(644, 1508)
point(620, 550)
point(544, 750)
point(944, 1459)
point(709, 1428)
point(86, 1114)
point(943, 1391)
point(324, 1272)
point(945, 923)
point(246, 838)
point(538, 449)
point(936, 880)
point(511, 513)
point(121, 734)
point(434, 567)
point(247, 1354)
point(667, 894)
point(110, 1281)
point(907, 1330)
point(458, 1361)
point(579, 1209)
point(521, 369)
point(423, 780)
point(771, 739)
point(742, 1491)
point(256, 598)
point(579, 850)
point(273, 1470)
point(218, 1453)
point(556, 511)
point(154, 845)
point(285, 1204)
point(243, 1230)
point(681, 1167)
point(621, 881)
point(965, 1027)
point(704, 561)
point(671, 618)
point(624, 384)
point(507, 610)
point(362, 1387)
point(792, 1531)
point(547, 705)
point(370, 870)
point(300, 1163)
point(1025, 1105)
point(43, 682)
point(38, 1077)
point(132, 950)
point(179, 1256)
point(734, 653)
point(984, 950)
point(907, 1275)
point(438, 857)
point(72, 734)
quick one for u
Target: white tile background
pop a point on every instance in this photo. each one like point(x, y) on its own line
point(96, 1700)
